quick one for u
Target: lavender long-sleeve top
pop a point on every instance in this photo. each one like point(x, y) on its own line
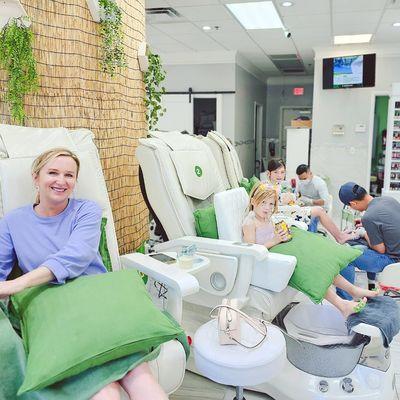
point(67, 243)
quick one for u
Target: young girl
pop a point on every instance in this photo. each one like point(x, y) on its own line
point(276, 172)
point(68, 231)
point(258, 228)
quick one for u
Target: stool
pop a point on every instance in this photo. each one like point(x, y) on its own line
point(236, 365)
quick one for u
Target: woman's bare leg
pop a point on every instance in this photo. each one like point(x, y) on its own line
point(109, 392)
point(140, 384)
point(330, 226)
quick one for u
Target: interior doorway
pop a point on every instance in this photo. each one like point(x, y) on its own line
point(258, 133)
point(378, 145)
point(288, 113)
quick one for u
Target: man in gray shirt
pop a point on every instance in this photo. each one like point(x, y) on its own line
point(381, 222)
point(313, 189)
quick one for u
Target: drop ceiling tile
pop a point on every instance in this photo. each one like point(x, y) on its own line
point(200, 42)
point(355, 23)
point(155, 3)
point(305, 7)
point(159, 40)
point(204, 13)
point(224, 25)
point(390, 16)
point(304, 21)
point(180, 3)
point(395, 4)
point(178, 28)
point(173, 48)
point(387, 34)
point(309, 37)
point(346, 6)
point(272, 41)
point(234, 40)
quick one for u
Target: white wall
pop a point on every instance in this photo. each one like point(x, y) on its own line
point(347, 158)
point(206, 77)
point(249, 89)
point(280, 93)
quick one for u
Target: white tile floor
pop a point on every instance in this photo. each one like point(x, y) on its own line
point(196, 387)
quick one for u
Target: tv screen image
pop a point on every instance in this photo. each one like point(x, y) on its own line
point(352, 71)
point(347, 71)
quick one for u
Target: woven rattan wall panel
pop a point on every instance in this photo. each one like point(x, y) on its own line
point(74, 93)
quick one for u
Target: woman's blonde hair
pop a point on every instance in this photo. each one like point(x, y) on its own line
point(49, 155)
point(261, 192)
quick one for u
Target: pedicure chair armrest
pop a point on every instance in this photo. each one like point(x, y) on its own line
point(217, 246)
point(179, 282)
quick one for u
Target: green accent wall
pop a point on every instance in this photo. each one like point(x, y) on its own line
point(381, 113)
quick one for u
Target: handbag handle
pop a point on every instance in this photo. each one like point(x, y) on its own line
point(250, 321)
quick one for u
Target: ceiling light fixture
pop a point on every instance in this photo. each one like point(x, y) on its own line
point(396, 24)
point(286, 4)
point(207, 28)
point(256, 15)
point(348, 39)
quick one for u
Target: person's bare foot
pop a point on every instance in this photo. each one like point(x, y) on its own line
point(358, 292)
point(345, 236)
point(349, 307)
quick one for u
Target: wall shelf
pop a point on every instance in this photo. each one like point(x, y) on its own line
point(10, 9)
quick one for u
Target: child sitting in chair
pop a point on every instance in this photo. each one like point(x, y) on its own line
point(258, 228)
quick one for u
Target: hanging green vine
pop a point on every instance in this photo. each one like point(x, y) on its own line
point(152, 79)
point(16, 57)
point(113, 54)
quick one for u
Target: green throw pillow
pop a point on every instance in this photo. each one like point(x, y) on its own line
point(87, 322)
point(103, 249)
point(249, 183)
point(206, 222)
point(319, 260)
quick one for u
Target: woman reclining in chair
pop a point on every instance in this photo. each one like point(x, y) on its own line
point(258, 228)
point(41, 238)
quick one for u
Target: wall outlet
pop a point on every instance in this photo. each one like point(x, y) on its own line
point(338, 130)
point(360, 128)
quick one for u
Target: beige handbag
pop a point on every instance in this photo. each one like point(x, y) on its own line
point(229, 320)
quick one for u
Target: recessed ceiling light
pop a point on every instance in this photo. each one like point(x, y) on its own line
point(256, 15)
point(347, 39)
point(287, 4)
point(207, 28)
point(396, 24)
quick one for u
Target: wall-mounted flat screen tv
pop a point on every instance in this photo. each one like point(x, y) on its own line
point(348, 71)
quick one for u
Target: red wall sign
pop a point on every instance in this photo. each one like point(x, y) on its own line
point(298, 91)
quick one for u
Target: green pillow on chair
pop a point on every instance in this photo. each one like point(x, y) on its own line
point(103, 248)
point(87, 322)
point(249, 183)
point(319, 260)
point(206, 222)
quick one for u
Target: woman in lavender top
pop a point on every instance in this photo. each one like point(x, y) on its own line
point(57, 239)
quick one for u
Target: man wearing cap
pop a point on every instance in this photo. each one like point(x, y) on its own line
point(381, 222)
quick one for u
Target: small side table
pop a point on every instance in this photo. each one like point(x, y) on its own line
point(236, 365)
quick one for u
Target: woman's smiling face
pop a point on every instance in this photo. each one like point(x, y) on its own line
point(56, 180)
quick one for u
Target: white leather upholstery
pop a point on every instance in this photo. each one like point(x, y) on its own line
point(17, 190)
point(231, 159)
point(230, 210)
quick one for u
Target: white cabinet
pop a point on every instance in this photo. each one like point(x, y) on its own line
point(298, 143)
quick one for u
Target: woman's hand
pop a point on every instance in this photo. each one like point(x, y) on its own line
point(8, 288)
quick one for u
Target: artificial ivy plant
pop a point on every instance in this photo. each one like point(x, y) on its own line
point(16, 57)
point(113, 53)
point(152, 79)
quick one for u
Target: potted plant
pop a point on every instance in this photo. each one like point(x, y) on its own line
point(113, 53)
point(16, 57)
point(153, 78)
